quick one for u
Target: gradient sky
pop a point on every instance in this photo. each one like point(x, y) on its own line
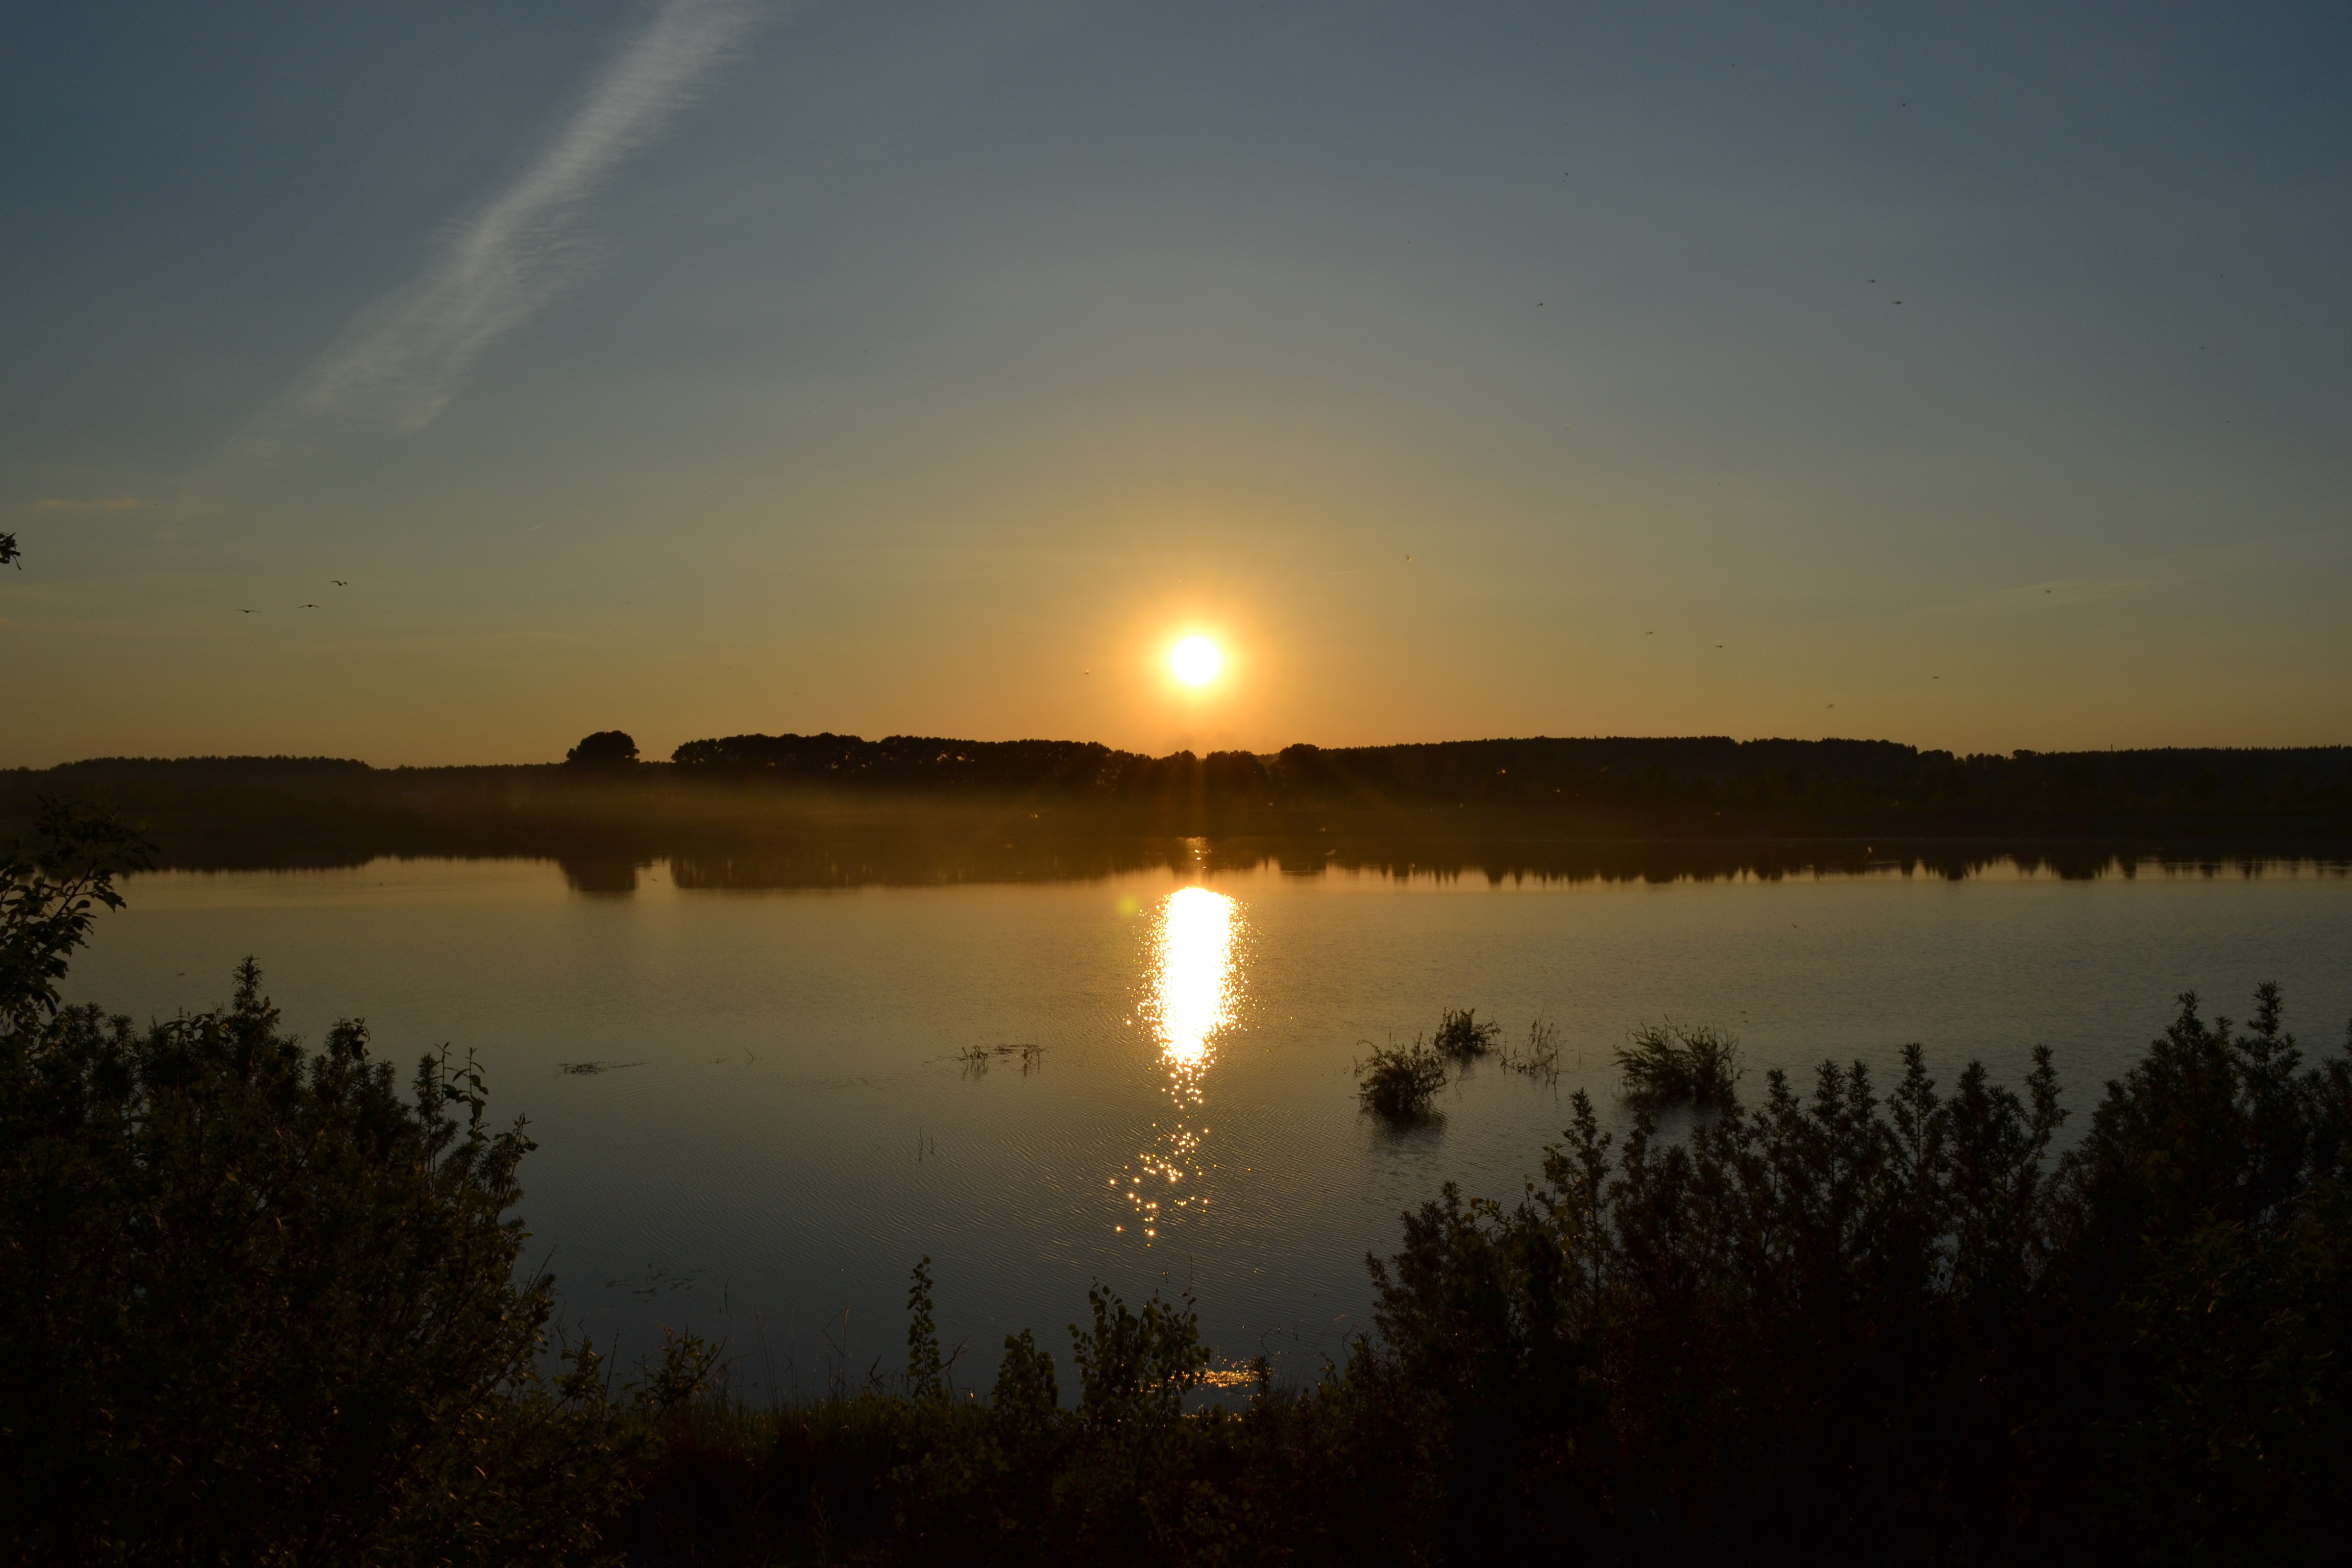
point(705, 367)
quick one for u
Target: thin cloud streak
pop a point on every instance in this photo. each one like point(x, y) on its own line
point(402, 360)
point(2058, 594)
point(111, 503)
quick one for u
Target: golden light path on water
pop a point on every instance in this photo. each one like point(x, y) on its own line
point(1192, 997)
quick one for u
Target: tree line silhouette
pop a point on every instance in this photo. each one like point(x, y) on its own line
point(904, 797)
point(1709, 771)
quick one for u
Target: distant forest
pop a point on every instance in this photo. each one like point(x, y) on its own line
point(1709, 771)
point(839, 808)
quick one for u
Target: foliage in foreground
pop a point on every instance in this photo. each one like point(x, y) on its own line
point(262, 1308)
point(1844, 1325)
point(266, 1311)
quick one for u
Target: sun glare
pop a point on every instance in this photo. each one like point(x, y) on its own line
point(1196, 661)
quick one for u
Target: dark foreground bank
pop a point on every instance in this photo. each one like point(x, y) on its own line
point(266, 1308)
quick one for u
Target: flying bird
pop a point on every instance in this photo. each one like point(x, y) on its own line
point(308, 606)
point(339, 583)
point(244, 612)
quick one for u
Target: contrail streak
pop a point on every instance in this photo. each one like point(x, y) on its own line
point(401, 360)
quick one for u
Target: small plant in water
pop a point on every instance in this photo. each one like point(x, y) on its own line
point(1675, 1064)
point(1540, 1058)
point(1399, 1082)
point(1461, 1037)
point(976, 1058)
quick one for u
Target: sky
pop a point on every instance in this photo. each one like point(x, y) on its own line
point(1973, 376)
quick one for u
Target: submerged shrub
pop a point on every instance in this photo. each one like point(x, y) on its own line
point(1399, 1081)
point(1463, 1037)
point(1673, 1064)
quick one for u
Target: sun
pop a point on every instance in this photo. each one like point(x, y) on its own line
point(1196, 661)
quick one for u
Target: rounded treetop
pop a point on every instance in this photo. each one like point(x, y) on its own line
point(605, 749)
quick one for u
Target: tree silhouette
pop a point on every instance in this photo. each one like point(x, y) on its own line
point(605, 749)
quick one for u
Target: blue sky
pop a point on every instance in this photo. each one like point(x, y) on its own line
point(705, 367)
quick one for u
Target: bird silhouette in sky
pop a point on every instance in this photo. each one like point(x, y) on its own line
point(244, 612)
point(309, 607)
point(339, 583)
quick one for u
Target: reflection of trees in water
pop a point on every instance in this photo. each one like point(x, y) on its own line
point(589, 868)
point(600, 873)
point(716, 832)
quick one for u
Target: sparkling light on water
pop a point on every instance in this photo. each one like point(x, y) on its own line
point(1193, 976)
point(1192, 997)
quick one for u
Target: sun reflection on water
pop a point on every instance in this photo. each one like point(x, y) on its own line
point(1192, 997)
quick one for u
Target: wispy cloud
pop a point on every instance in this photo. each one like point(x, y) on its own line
point(397, 366)
point(2058, 594)
point(109, 503)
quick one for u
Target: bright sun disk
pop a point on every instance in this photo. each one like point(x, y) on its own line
point(1196, 661)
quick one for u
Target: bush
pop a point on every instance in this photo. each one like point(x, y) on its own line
point(1399, 1081)
point(1906, 1312)
point(262, 1309)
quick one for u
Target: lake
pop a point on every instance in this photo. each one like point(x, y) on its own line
point(756, 1110)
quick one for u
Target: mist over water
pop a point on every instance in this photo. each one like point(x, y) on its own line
point(756, 1109)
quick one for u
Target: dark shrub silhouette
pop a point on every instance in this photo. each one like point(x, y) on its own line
point(1674, 1064)
point(1463, 1037)
point(261, 1307)
point(1399, 1081)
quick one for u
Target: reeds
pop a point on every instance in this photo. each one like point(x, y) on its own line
point(1676, 1063)
point(1540, 1058)
point(1463, 1037)
point(977, 1059)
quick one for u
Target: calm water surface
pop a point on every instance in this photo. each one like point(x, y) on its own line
point(785, 1117)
